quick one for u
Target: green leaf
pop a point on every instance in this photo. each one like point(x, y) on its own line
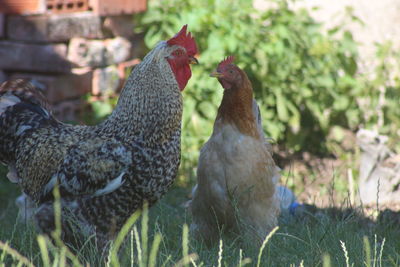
point(281, 107)
point(341, 103)
point(306, 78)
point(208, 109)
point(101, 109)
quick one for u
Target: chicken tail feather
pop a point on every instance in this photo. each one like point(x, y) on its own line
point(23, 109)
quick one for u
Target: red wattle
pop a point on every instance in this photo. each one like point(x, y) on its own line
point(182, 73)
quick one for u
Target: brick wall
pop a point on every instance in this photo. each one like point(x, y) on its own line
point(70, 54)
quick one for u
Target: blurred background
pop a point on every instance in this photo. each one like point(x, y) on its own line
point(326, 75)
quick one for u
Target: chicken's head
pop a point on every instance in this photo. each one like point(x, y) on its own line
point(181, 56)
point(228, 74)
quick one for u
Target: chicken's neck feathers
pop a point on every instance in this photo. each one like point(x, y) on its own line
point(237, 108)
point(150, 104)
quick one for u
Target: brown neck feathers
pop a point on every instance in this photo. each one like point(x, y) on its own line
point(236, 108)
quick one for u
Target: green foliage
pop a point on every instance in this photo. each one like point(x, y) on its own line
point(381, 94)
point(304, 80)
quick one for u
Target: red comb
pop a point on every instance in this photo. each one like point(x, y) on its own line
point(226, 61)
point(185, 40)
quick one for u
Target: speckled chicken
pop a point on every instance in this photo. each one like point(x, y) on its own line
point(236, 175)
point(104, 172)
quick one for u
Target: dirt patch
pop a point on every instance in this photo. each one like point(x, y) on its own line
point(315, 180)
point(333, 180)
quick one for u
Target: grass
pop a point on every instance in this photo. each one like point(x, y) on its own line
point(319, 237)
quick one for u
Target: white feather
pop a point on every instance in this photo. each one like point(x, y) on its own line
point(50, 185)
point(47, 114)
point(111, 186)
point(22, 129)
point(12, 174)
point(8, 100)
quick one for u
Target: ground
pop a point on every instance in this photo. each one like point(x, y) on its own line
point(326, 221)
point(307, 237)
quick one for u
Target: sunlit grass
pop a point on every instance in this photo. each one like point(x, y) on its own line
point(161, 237)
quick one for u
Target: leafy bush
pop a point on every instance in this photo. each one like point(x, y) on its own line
point(381, 95)
point(306, 80)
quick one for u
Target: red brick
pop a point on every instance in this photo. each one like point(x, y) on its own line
point(63, 87)
point(54, 27)
point(117, 7)
point(30, 57)
point(22, 6)
point(57, 6)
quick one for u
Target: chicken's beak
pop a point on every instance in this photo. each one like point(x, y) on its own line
point(216, 74)
point(193, 60)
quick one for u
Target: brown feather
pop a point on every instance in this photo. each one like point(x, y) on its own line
point(236, 107)
point(236, 175)
point(25, 90)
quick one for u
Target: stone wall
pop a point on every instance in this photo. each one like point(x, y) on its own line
point(69, 55)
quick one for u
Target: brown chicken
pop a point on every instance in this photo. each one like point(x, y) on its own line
point(104, 172)
point(236, 173)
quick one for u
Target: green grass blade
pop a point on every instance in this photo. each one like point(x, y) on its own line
point(154, 250)
point(121, 236)
point(346, 254)
point(381, 252)
point(220, 253)
point(131, 245)
point(44, 251)
point(243, 262)
point(326, 260)
point(375, 252)
point(138, 246)
point(166, 261)
point(60, 244)
point(267, 238)
point(63, 258)
point(367, 251)
point(185, 244)
point(240, 258)
point(144, 233)
point(15, 254)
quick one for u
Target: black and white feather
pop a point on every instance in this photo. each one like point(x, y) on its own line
point(105, 172)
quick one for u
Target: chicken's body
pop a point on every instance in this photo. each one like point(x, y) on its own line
point(104, 172)
point(236, 173)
